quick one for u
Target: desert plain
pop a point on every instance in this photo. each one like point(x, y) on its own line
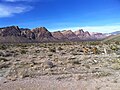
point(60, 66)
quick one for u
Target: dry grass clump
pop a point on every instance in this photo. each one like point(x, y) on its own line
point(116, 66)
point(102, 74)
point(116, 61)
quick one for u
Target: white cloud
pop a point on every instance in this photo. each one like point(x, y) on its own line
point(12, 1)
point(103, 29)
point(15, 0)
point(19, 0)
point(8, 10)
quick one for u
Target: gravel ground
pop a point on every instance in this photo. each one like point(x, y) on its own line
point(68, 83)
point(65, 67)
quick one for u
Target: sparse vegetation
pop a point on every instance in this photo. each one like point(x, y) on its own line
point(78, 60)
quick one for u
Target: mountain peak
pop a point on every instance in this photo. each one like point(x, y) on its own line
point(59, 35)
point(79, 32)
point(10, 30)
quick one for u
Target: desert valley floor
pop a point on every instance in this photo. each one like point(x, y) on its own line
point(60, 66)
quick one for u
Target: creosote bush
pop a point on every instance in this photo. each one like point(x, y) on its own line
point(23, 51)
point(52, 49)
point(59, 48)
point(3, 47)
point(114, 47)
point(3, 59)
point(117, 43)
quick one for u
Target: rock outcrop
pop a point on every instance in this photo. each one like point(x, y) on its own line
point(79, 33)
point(28, 34)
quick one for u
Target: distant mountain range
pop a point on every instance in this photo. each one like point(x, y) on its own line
point(115, 33)
point(14, 34)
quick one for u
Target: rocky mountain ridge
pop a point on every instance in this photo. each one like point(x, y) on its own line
point(41, 34)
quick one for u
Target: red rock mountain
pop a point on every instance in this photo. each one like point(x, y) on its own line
point(10, 31)
point(98, 36)
point(70, 35)
point(83, 35)
point(42, 34)
point(59, 36)
point(28, 34)
point(14, 34)
point(79, 32)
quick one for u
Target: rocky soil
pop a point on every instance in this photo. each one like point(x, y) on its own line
point(60, 66)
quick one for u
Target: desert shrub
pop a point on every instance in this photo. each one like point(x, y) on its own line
point(23, 51)
point(117, 42)
point(22, 45)
point(115, 61)
point(75, 53)
point(75, 62)
point(94, 43)
point(49, 44)
point(95, 50)
point(37, 51)
point(52, 49)
point(3, 47)
point(50, 54)
point(43, 45)
point(3, 59)
point(116, 66)
point(4, 65)
point(114, 47)
point(59, 48)
point(103, 74)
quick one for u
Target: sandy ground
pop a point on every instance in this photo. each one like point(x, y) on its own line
point(55, 83)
